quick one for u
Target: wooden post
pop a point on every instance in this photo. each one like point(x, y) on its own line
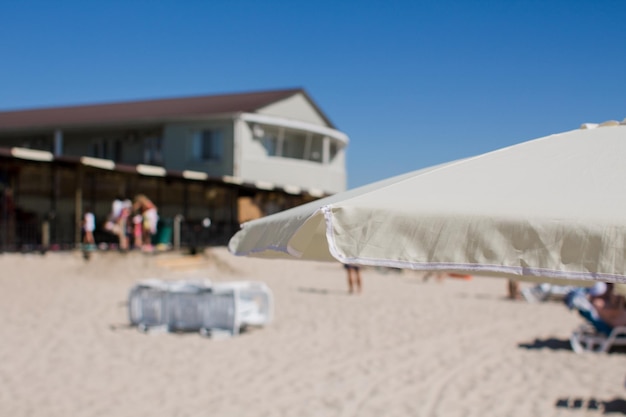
point(78, 206)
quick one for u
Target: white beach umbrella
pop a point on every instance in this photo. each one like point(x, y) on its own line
point(553, 207)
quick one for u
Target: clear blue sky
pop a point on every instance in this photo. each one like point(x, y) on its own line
point(413, 83)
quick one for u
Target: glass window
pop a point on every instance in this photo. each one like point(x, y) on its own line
point(152, 151)
point(100, 148)
point(270, 141)
point(111, 148)
point(294, 145)
point(268, 137)
point(117, 153)
point(316, 148)
point(334, 148)
point(208, 145)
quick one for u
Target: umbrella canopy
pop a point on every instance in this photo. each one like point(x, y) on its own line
point(553, 207)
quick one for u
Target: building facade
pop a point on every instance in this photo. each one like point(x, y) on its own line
point(229, 158)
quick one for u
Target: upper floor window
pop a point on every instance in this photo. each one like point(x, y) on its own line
point(36, 142)
point(152, 150)
point(315, 148)
point(302, 145)
point(208, 145)
point(270, 143)
point(296, 144)
point(334, 149)
point(107, 148)
point(99, 148)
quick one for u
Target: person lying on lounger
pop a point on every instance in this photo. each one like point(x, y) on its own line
point(610, 306)
point(599, 305)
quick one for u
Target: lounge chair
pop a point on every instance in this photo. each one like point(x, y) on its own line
point(186, 303)
point(147, 304)
point(212, 309)
point(252, 305)
point(544, 292)
point(587, 339)
point(596, 335)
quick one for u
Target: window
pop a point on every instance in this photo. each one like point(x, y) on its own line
point(294, 144)
point(36, 142)
point(270, 143)
point(334, 149)
point(315, 148)
point(100, 148)
point(268, 136)
point(152, 150)
point(301, 145)
point(107, 148)
point(208, 145)
point(117, 150)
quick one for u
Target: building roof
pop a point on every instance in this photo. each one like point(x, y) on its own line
point(148, 111)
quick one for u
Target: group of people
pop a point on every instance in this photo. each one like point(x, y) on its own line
point(132, 222)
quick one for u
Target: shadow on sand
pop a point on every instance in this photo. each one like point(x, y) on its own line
point(551, 343)
point(614, 406)
point(559, 344)
point(322, 291)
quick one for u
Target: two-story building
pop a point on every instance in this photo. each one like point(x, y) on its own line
point(229, 157)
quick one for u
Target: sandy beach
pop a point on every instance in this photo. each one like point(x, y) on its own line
point(402, 348)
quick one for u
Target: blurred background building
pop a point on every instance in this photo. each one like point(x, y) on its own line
point(229, 158)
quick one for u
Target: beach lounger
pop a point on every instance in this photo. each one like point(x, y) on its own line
point(169, 305)
point(588, 339)
point(185, 305)
point(240, 304)
point(545, 292)
point(595, 335)
point(227, 307)
point(219, 313)
point(147, 304)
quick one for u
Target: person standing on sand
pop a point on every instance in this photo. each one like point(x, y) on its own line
point(89, 225)
point(354, 278)
point(513, 289)
point(120, 211)
point(150, 217)
point(136, 231)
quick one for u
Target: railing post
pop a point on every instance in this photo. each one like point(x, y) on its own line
point(177, 231)
point(45, 235)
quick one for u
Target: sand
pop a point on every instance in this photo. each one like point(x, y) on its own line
point(402, 348)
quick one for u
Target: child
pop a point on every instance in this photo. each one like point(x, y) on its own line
point(89, 225)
